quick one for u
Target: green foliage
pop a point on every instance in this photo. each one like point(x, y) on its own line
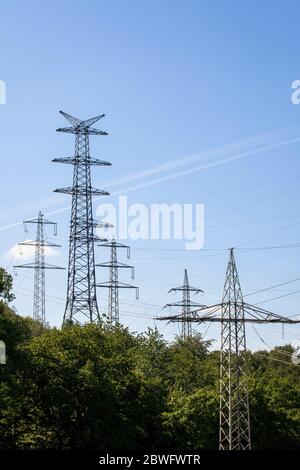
point(6, 286)
point(192, 421)
point(188, 368)
point(97, 387)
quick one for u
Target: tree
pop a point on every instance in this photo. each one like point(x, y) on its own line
point(192, 421)
point(187, 367)
point(6, 283)
point(103, 387)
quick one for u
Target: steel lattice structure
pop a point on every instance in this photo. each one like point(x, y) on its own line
point(233, 313)
point(186, 304)
point(234, 431)
point(81, 304)
point(114, 284)
point(39, 265)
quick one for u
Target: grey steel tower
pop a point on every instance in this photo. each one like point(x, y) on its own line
point(114, 284)
point(39, 265)
point(186, 304)
point(81, 305)
point(234, 432)
point(233, 313)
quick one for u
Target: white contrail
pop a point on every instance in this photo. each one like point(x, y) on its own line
point(206, 166)
point(257, 142)
point(261, 143)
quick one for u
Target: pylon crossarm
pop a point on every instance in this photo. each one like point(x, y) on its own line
point(52, 266)
point(80, 126)
point(184, 289)
point(81, 191)
point(36, 221)
point(113, 244)
point(195, 317)
point(34, 265)
point(266, 316)
point(81, 130)
point(91, 121)
point(119, 285)
point(182, 318)
point(177, 318)
point(72, 119)
point(99, 224)
point(118, 264)
point(183, 304)
point(195, 290)
point(209, 309)
point(81, 160)
point(81, 237)
point(36, 243)
point(207, 314)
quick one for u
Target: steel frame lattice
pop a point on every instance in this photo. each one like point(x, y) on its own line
point(81, 304)
point(234, 430)
point(114, 284)
point(186, 304)
point(39, 265)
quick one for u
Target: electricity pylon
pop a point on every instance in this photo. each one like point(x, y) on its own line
point(81, 305)
point(234, 429)
point(113, 284)
point(186, 304)
point(39, 265)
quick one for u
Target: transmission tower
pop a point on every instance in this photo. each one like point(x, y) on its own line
point(113, 284)
point(39, 265)
point(233, 313)
point(81, 305)
point(234, 431)
point(186, 304)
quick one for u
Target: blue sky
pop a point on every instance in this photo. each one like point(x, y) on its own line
point(174, 79)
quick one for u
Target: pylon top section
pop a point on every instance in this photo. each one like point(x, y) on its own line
point(232, 296)
point(186, 286)
point(186, 289)
point(114, 244)
point(81, 127)
point(40, 220)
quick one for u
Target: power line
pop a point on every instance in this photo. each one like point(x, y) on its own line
point(279, 297)
point(277, 350)
point(280, 229)
point(285, 353)
point(273, 287)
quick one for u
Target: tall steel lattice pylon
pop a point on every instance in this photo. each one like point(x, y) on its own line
point(114, 284)
point(234, 431)
point(233, 313)
point(39, 265)
point(81, 305)
point(186, 304)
